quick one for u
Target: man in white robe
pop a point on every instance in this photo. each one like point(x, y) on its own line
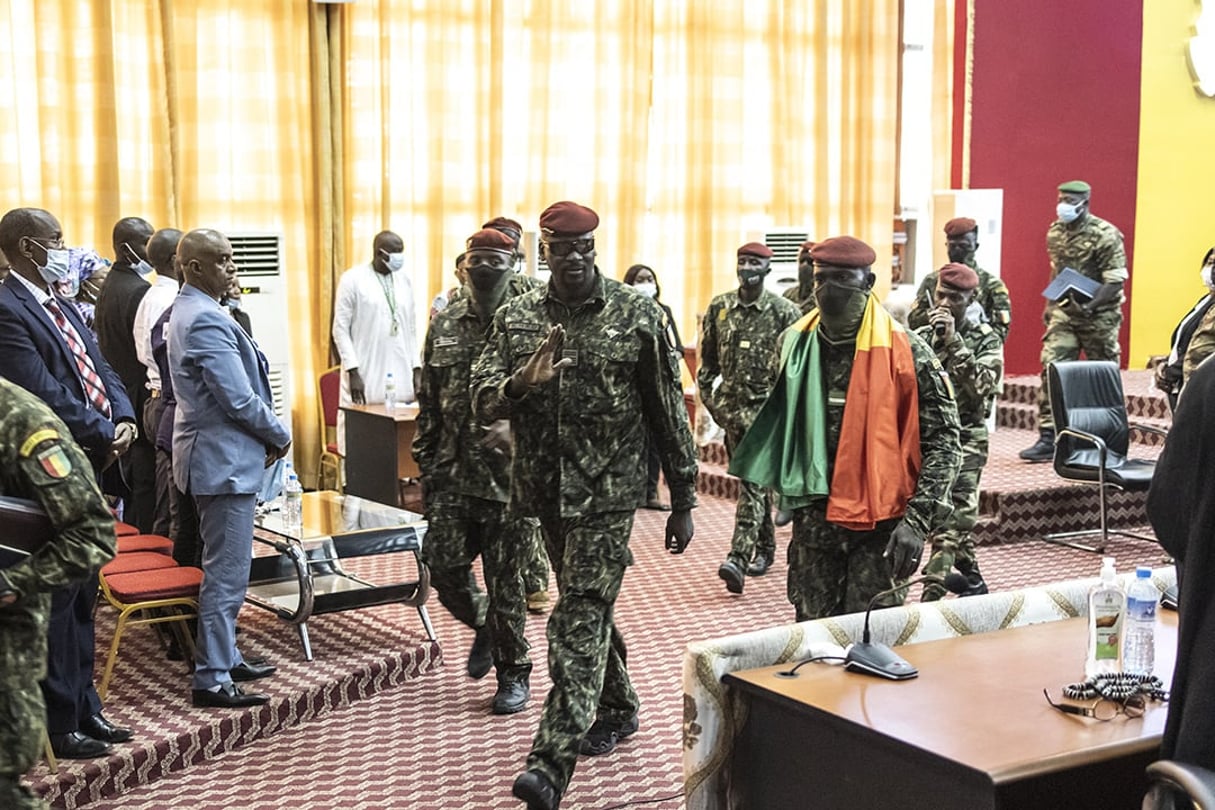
point(375, 329)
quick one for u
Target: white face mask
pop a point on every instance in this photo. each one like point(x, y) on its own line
point(1205, 273)
point(647, 288)
point(396, 261)
point(1068, 212)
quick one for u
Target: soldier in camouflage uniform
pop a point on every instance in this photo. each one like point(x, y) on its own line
point(466, 481)
point(973, 356)
point(1092, 247)
point(834, 570)
point(803, 293)
point(40, 462)
point(585, 371)
point(961, 241)
point(738, 347)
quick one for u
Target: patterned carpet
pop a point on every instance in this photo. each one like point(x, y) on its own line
point(382, 719)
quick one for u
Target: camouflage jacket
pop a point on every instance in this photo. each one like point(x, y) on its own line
point(580, 439)
point(992, 296)
point(804, 302)
point(447, 443)
point(974, 360)
point(940, 451)
point(738, 344)
point(1092, 248)
point(39, 461)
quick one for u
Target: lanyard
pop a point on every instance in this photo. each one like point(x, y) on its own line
point(390, 295)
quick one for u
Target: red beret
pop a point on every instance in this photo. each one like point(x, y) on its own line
point(568, 219)
point(755, 249)
point(843, 251)
point(498, 223)
point(489, 239)
point(960, 226)
point(958, 276)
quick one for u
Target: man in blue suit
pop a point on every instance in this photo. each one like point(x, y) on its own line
point(46, 348)
point(224, 436)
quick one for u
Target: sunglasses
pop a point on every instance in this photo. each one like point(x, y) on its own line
point(565, 247)
point(1103, 708)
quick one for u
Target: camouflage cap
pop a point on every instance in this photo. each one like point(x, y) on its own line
point(1075, 187)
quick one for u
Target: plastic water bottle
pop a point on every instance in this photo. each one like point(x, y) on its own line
point(293, 508)
point(1139, 651)
point(390, 391)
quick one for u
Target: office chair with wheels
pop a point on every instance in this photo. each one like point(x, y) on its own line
point(1092, 437)
point(329, 386)
point(1179, 786)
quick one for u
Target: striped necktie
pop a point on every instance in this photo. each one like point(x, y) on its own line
point(93, 388)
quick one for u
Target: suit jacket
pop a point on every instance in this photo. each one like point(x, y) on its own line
point(35, 356)
point(225, 417)
point(114, 318)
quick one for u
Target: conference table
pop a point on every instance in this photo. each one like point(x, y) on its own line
point(379, 450)
point(972, 731)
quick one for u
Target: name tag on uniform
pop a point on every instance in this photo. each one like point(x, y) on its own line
point(446, 341)
point(744, 344)
point(571, 355)
point(525, 327)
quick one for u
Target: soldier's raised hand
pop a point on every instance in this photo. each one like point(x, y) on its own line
point(540, 367)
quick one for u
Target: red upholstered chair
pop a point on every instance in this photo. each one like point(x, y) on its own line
point(128, 543)
point(329, 386)
point(123, 529)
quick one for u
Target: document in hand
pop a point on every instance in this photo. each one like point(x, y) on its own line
point(24, 528)
point(1071, 281)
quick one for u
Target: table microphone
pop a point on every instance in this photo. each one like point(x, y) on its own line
point(880, 659)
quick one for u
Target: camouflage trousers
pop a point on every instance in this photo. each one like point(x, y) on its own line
point(754, 531)
point(954, 546)
point(586, 653)
point(833, 570)
point(1066, 337)
point(22, 722)
point(461, 528)
point(535, 566)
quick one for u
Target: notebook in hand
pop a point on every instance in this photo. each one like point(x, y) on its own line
point(1071, 281)
point(24, 528)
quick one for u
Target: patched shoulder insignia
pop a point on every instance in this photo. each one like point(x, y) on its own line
point(55, 462)
point(721, 314)
point(36, 438)
point(948, 384)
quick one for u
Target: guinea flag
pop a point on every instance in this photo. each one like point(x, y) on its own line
point(877, 461)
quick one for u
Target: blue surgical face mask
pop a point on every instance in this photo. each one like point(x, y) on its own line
point(1068, 212)
point(58, 265)
point(146, 271)
point(396, 261)
point(647, 288)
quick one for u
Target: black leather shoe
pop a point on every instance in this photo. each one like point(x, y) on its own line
point(99, 728)
point(229, 696)
point(512, 696)
point(1041, 450)
point(534, 788)
point(244, 671)
point(480, 659)
point(78, 745)
point(760, 565)
point(734, 576)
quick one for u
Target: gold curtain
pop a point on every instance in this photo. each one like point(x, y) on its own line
point(942, 94)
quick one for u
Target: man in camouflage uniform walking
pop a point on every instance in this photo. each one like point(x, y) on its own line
point(1092, 247)
point(466, 480)
point(738, 347)
point(802, 293)
point(584, 370)
point(40, 462)
point(973, 356)
point(961, 241)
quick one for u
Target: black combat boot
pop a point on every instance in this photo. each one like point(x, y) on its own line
point(1043, 449)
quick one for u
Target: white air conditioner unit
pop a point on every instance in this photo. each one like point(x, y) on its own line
point(259, 263)
point(785, 243)
point(534, 266)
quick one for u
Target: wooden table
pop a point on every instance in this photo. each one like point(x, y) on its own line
point(379, 450)
point(972, 731)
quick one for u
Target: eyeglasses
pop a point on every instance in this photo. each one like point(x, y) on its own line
point(53, 244)
point(565, 247)
point(1103, 708)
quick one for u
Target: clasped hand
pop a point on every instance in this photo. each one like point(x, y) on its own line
point(124, 435)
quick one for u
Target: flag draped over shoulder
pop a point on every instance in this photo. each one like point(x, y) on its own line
point(877, 461)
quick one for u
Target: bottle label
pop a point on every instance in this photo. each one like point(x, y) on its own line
point(1107, 617)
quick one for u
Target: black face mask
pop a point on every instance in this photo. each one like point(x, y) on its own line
point(485, 278)
point(751, 278)
point(960, 254)
point(841, 306)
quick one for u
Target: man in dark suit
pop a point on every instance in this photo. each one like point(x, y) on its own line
point(117, 305)
point(224, 436)
point(47, 350)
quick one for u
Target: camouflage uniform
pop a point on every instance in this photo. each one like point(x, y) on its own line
point(1201, 345)
point(1093, 249)
point(580, 465)
point(803, 299)
point(39, 461)
point(738, 345)
point(992, 296)
point(467, 487)
point(833, 570)
point(974, 360)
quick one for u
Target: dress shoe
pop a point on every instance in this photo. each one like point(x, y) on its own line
point(244, 671)
point(99, 728)
point(602, 736)
point(734, 576)
point(1041, 450)
point(78, 745)
point(480, 658)
point(760, 565)
point(535, 788)
point(229, 696)
point(512, 696)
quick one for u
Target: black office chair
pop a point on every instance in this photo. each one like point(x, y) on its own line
point(1177, 785)
point(1092, 436)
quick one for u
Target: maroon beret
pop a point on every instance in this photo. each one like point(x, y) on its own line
point(498, 223)
point(843, 251)
point(806, 247)
point(755, 249)
point(490, 239)
point(567, 218)
point(960, 226)
point(958, 276)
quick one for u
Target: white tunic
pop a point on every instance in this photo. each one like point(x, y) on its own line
point(363, 331)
